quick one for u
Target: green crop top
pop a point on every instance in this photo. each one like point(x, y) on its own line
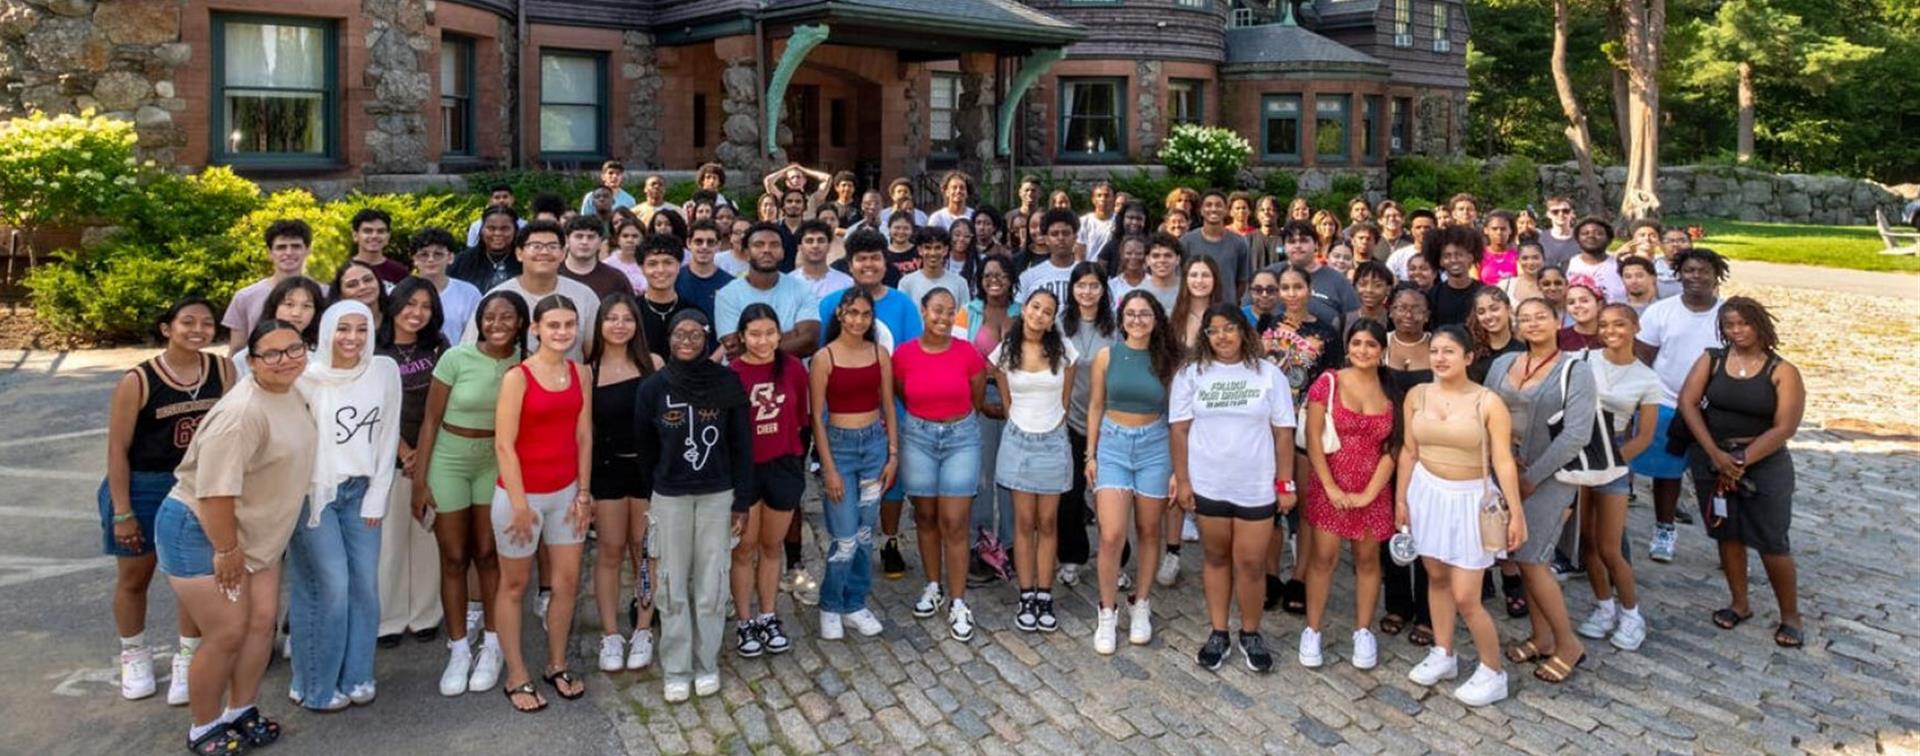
point(1131, 383)
point(474, 380)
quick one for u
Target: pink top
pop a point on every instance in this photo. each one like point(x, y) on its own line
point(1499, 265)
point(937, 386)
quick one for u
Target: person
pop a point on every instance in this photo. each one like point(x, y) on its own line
point(1456, 431)
point(222, 529)
point(612, 175)
point(792, 302)
point(1097, 226)
point(543, 438)
point(1372, 282)
point(1365, 241)
point(1129, 263)
point(1673, 241)
point(1553, 289)
point(156, 408)
point(1131, 222)
point(413, 337)
point(1349, 492)
point(1593, 261)
point(871, 202)
point(1303, 347)
point(359, 282)
point(793, 212)
point(932, 242)
point(1408, 362)
point(700, 280)
point(712, 177)
point(696, 435)
point(296, 300)
point(777, 390)
point(1200, 290)
point(1299, 210)
point(499, 194)
point(1059, 199)
point(1177, 223)
point(660, 300)
point(1028, 194)
point(1229, 252)
point(956, 190)
point(1753, 402)
point(943, 385)
point(1463, 209)
point(288, 241)
point(1340, 259)
point(372, 230)
point(731, 258)
point(1163, 268)
point(1264, 242)
point(333, 557)
point(584, 241)
point(988, 238)
point(1420, 273)
point(1526, 225)
point(1055, 271)
point(902, 256)
point(1332, 294)
point(1557, 243)
point(1492, 330)
point(432, 251)
point(984, 323)
point(624, 256)
point(653, 191)
point(845, 202)
point(1630, 396)
point(1326, 231)
point(621, 359)
point(1034, 366)
point(814, 186)
point(1419, 224)
point(1641, 280)
point(1501, 259)
point(1263, 300)
point(1455, 250)
point(1240, 213)
point(490, 261)
point(856, 437)
point(671, 222)
point(1232, 423)
point(1582, 329)
point(539, 248)
point(1359, 212)
point(1539, 396)
point(900, 195)
point(1525, 282)
point(455, 471)
point(821, 279)
point(1674, 332)
point(1393, 231)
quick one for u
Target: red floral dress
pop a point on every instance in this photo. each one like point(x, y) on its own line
point(1360, 438)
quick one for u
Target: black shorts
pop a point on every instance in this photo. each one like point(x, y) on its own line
point(618, 476)
point(1206, 507)
point(780, 482)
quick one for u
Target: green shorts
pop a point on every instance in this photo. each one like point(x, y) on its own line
point(462, 472)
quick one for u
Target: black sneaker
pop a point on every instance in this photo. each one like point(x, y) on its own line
point(388, 641)
point(1043, 613)
point(1564, 568)
point(1216, 650)
point(1254, 648)
point(773, 636)
point(1026, 617)
point(748, 644)
point(1274, 588)
point(892, 565)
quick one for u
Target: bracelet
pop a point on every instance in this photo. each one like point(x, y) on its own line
point(226, 551)
point(122, 517)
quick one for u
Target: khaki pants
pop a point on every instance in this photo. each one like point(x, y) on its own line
point(409, 566)
point(691, 535)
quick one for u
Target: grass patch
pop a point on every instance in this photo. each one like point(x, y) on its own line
point(1851, 247)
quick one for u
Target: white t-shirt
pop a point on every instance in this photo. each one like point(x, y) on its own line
point(1046, 276)
point(725, 260)
point(457, 303)
point(1623, 388)
point(943, 220)
point(1034, 397)
point(1094, 234)
point(1234, 409)
point(1682, 335)
point(831, 282)
point(916, 285)
point(585, 302)
point(1606, 273)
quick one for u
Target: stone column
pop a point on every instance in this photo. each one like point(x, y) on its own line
point(739, 151)
point(973, 117)
point(1149, 122)
point(117, 58)
point(641, 69)
point(400, 86)
point(509, 86)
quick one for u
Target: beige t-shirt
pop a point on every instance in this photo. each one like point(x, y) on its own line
point(256, 446)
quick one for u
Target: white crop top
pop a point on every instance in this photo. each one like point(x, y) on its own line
point(1036, 400)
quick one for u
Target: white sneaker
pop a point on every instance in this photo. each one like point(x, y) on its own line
point(1310, 656)
point(540, 606)
point(1169, 571)
point(931, 599)
point(476, 618)
point(1665, 537)
point(1104, 630)
point(177, 681)
point(1125, 583)
point(1068, 574)
point(1631, 632)
point(1439, 665)
point(640, 650)
point(362, 694)
point(136, 673)
point(286, 647)
point(486, 668)
point(830, 628)
point(1366, 651)
point(804, 588)
point(677, 691)
point(453, 681)
point(960, 621)
point(1140, 622)
point(1190, 529)
point(338, 702)
point(864, 622)
point(1600, 623)
point(1486, 686)
point(613, 653)
point(706, 685)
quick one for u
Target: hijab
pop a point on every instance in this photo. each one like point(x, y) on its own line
point(329, 389)
point(701, 382)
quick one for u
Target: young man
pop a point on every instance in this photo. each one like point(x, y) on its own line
point(654, 190)
point(816, 240)
point(1674, 332)
point(584, 243)
point(1164, 254)
point(1642, 282)
point(793, 212)
point(795, 176)
point(1096, 227)
point(1453, 251)
point(956, 191)
point(288, 244)
point(934, 243)
point(712, 177)
point(700, 279)
point(1558, 241)
point(602, 199)
point(612, 174)
point(1054, 273)
point(372, 230)
point(795, 306)
point(1365, 240)
point(1463, 209)
point(1594, 236)
point(1419, 224)
point(900, 192)
point(869, 216)
point(432, 251)
point(541, 246)
point(1333, 295)
point(499, 194)
point(1359, 213)
point(1228, 250)
point(846, 199)
point(1393, 230)
point(659, 302)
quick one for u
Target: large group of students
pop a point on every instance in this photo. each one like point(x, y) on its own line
point(1444, 393)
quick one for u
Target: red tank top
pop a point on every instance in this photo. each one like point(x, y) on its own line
point(548, 449)
point(852, 391)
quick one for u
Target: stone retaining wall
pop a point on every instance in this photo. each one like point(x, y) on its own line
point(117, 58)
point(1744, 194)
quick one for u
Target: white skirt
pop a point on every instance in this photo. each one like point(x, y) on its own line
point(1444, 516)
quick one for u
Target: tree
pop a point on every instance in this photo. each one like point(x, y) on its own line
point(1577, 135)
point(1749, 38)
point(1643, 32)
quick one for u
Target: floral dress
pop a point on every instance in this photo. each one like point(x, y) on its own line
point(1353, 466)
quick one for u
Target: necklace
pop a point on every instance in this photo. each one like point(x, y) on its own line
point(1406, 362)
point(199, 382)
point(1738, 372)
point(659, 313)
point(406, 352)
point(1532, 369)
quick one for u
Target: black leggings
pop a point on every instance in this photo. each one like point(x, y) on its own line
point(1073, 547)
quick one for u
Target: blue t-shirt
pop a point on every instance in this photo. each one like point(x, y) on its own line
point(792, 301)
point(897, 318)
point(701, 291)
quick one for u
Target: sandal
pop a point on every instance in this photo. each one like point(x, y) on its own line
point(1728, 619)
point(1788, 636)
point(525, 689)
point(1523, 652)
point(1515, 591)
point(257, 728)
point(555, 679)
point(1556, 670)
point(1392, 624)
point(222, 741)
point(1421, 635)
point(1294, 597)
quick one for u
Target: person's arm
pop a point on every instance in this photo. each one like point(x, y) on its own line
point(1691, 393)
point(1576, 427)
point(1096, 409)
point(1180, 417)
point(1066, 387)
point(1409, 453)
point(582, 512)
point(1500, 437)
point(1647, 416)
point(1281, 421)
point(977, 384)
point(373, 506)
point(1319, 414)
point(1791, 404)
point(771, 182)
point(817, 377)
point(1645, 352)
point(506, 432)
point(429, 434)
point(222, 528)
point(890, 412)
point(802, 340)
point(123, 411)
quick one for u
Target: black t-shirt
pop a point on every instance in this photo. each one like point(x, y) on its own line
point(416, 363)
point(1477, 372)
point(1332, 352)
point(899, 264)
point(654, 319)
point(1451, 306)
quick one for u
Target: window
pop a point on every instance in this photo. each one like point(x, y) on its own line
point(699, 119)
point(942, 106)
point(1400, 126)
point(1370, 127)
point(274, 82)
point(456, 96)
point(1200, 4)
point(1186, 101)
point(1402, 23)
point(573, 88)
point(1442, 41)
point(837, 122)
point(1092, 125)
point(1241, 17)
point(1280, 127)
point(1330, 120)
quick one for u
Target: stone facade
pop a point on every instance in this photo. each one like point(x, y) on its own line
point(1743, 194)
point(1440, 122)
point(740, 150)
point(641, 69)
point(973, 121)
point(399, 83)
point(1146, 116)
point(117, 58)
point(509, 51)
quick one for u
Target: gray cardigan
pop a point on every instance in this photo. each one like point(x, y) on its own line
point(1541, 453)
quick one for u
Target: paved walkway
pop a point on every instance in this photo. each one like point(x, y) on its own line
point(1869, 283)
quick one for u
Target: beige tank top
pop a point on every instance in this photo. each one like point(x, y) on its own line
point(1451, 444)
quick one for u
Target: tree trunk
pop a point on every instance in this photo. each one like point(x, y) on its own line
point(1745, 149)
point(1619, 79)
point(1645, 30)
point(1577, 135)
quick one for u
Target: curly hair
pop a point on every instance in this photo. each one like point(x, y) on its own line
point(1052, 344)
point(1202, 352)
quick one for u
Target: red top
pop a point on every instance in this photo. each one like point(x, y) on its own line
point(854, 390)
point(778, 406)
point(549, 451)
point(937, 386)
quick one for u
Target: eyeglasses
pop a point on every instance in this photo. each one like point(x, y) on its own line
point(1559, 211)
point(542, 247)
point(1137, 315)
point(1265, 289)
point(277, 356)
point(688, 337)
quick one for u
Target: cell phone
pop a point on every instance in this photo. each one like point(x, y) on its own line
point(426, 520)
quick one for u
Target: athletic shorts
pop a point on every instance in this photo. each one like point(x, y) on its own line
point(1206, 507)
point(462, 472)
point(780, 482)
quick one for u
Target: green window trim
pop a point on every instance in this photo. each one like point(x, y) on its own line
point(329, 95)
point(1276, 109)
point(465, 96)
point(1328, 109)
point(1370, 113)
point(1198, 113)
point(1100, 151)
point(599, 151)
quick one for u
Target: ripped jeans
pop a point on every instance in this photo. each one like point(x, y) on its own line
point(859, 455)
point(689, 535)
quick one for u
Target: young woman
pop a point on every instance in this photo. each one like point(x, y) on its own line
point(1088, 326)
point(1035, 366)
point(1128, 459)
point(962, 256)
point(1341, 258)
point(1553, 290)
point(1584, 300)
point(625, 258)
point(944, 386)
point(1240, 213)
point(1529, 384)
point(155, 410)
point(1299, 210)
point(1630, 394)
point(768, 209)
point(221, 531)
point(1420, 273)
point(1349, 493)
point(1059, 200)
point(1372, 282)
point(621, 359)
point(778, 383)
point(696, 435)
point(1491, 327)
point(490, 260)
point(1231, 441)
point(297, 301)
point(1302, 347)
point(1456, 431)
point(1741, 466)
point(987, 240)
point(1525, 283)
point(456, 469)
point(543, 438)
point(1409, 364)
point(1132, 221)
point(1130, 264)
point(856, 438)
point(1200, 291)
point(984, 323)
point(1501, 260)
point(359, 282)
point(1326, 231)
point(412, 336)
point(669, 221)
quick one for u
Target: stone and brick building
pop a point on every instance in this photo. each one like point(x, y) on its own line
point(343, 90)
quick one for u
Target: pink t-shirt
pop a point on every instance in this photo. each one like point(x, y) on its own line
point(937, 385)
point(1499, 265)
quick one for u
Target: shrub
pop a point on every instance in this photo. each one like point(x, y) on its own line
point(1281, 184)
point(113, 291)
point(333, 238)
point(1349, 185)
point(1413, 177)
point(65, 170)
point(172, 206)
point(1457, 175)
point(1212, 153)
point(1151, 191)
point(1513, 184)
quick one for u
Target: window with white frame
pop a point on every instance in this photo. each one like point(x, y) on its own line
point(573, 89)
point(942, 105)
point(1092, 121)
point(1442, 39)
point(456, 96)
point(1186, 101)
point(1402, 23)
point(275, 87)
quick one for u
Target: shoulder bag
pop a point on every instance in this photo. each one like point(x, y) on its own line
point(1494, 512)
point(1598, 462)
point(1329, 438)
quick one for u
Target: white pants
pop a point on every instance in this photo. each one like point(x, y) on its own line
point(409, 566)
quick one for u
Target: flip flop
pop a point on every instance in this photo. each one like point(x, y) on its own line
point(1728, 619)
point(524, 689)
point(1556, 670)
point(1420, 636)
point(555, 679)
point(1523, 652)
point(1788, 636)
point(1392, 624)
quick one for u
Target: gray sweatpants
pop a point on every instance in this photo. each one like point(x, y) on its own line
point(690, 536)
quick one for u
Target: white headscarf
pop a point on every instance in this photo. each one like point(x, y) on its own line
point(326, 388)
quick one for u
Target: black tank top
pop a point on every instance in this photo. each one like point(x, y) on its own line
point(613, 431)
point(171, 414)
point(1740, 407)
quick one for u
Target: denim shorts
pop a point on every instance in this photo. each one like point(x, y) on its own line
point(1655, 462)
point(180, 543)
point(145, 491)
point(1039, 463)
point(1134, 459)
point(940, 459)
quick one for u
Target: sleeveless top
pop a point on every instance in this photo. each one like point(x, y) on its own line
point(1740, 407)
point(548, 451)
point(1131, 383)
point(613, 430)
point(1457, 442)
point(166, 422)
point(854, 390)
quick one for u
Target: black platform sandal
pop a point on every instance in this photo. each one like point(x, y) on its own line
point(222, 741)
point(257, 728)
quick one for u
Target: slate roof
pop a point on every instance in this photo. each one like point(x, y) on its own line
point(1286, 43)
point(989, 12)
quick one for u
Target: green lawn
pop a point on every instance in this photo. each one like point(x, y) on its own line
point(1854, 247)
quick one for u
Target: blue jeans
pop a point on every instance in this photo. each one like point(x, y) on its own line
point(859, 455)
point(332, 577)
point(992, 505)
